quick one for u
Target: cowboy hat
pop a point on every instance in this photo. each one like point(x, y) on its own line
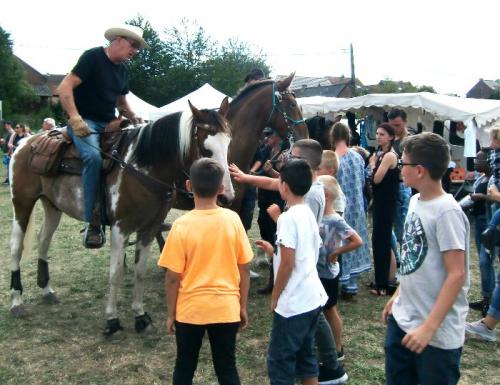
point(130, 31)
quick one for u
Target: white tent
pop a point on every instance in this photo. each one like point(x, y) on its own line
point(204, 97)
point(478, 113)
point(141, 108)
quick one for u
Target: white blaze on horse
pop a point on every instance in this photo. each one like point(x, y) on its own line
point(138, 196)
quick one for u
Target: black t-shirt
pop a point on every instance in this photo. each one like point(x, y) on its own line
point(102, 83)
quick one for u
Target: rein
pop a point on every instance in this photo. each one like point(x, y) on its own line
point(290, 122)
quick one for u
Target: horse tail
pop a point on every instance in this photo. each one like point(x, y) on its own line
point(29, 236)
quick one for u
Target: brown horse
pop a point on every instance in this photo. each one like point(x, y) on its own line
point(161, 150)
point(262, 104)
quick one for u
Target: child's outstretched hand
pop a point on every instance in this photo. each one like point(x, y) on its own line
point(236, 173)
point(265, 246)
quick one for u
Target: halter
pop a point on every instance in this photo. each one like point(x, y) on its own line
point(290, 122)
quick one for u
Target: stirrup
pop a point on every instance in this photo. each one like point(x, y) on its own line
point(94, 240)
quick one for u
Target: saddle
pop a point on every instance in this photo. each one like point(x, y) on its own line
point(54, 153)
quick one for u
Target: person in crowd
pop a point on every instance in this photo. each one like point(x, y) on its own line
point(367, 190)
point(19, 134)
point(338, 238)
point(329, 166)
point(48, 124)
point(485, 327)
point(397, 118)
point(298, 295)
point(266, 198)
point(208, 278)
point(9, 131)
point(477, 201)
point(351, 177)
point(310, 150)
point(426, 315)
point(90, 93)
point(385, 191)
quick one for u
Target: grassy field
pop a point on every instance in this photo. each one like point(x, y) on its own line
point(63, 344)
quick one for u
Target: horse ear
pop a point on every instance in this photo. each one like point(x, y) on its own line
point(196, 112)
point(282, 85)
point(224, 106)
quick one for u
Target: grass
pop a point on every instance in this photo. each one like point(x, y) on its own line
point(63, 344)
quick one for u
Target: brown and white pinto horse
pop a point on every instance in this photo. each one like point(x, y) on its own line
point(162, 150)
point(262, 104)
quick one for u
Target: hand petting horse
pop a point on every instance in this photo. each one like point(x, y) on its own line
point(139, 194)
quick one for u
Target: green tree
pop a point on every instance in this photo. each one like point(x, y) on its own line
point(16, 94)
point(185, 59)
point(227, 69)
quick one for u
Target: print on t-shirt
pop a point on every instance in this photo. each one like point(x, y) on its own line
point(414, 245)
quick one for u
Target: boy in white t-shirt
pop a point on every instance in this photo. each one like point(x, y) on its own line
point(426, 315)
point(298, 294)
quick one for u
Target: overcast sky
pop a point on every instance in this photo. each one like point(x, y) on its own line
point(441, 43)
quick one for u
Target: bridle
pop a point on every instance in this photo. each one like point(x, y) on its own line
point(290, 122)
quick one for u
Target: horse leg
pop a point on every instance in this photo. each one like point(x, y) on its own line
point(22, 214)
point(142, 320)
point(116, 269)
point(50, 223)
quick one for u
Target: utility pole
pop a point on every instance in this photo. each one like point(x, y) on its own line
point(353, 76)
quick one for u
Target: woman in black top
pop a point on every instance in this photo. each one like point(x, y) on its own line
point(385, 191)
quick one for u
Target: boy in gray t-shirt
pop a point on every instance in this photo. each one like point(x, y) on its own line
point(426, 316)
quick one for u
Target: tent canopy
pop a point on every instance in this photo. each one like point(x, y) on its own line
point(204, 97)
point(421, 106)
point(443, 107)
point(140, 107)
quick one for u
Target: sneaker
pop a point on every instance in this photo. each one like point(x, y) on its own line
point(329, 376)
point(479, 329)
point(340, 355)
point(254, 275)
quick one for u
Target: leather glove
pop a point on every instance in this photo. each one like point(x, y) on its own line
point(79, 126)
point(136, 120)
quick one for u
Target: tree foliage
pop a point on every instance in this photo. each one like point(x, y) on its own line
point(15, 92)
point(183, 58)
point(388, 86)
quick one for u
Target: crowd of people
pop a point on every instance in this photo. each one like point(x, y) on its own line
point(13, 134)
point(315, 233)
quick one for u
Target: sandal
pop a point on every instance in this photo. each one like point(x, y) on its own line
point(378, 292)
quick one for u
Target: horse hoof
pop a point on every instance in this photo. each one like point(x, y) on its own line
point(143, 323)
point(50, 299)
point(19, 311)
point(113, 329)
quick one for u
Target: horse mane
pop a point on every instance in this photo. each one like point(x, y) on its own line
point(166, 139)
point(250, 89)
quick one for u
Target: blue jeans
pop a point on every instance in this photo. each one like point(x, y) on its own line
point(495, 220)
point(402, 203)
point(433, 366)
point(88, 147)
point(486, 260)
point(291, 348)
point(494, 310)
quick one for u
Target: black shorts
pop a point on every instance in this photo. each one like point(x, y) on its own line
point(332, 289)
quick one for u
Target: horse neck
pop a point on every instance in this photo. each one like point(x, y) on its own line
point(248, 119)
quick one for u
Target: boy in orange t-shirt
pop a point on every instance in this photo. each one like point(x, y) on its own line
point(207, 254)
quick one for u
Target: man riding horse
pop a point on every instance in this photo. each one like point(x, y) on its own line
point(89, 94)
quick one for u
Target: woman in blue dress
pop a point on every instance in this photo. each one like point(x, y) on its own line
point(351, 177)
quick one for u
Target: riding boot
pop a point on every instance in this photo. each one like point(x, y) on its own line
point(270, 283)
point(94, 236)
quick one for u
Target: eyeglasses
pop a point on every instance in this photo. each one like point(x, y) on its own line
point(401, 164)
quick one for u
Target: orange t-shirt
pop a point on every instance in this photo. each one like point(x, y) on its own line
point(206, 247)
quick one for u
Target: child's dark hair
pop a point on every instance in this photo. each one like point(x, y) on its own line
point(428, 150)
point(297, 174)
point(340, 132)
point(311, 151)
point(206, 177)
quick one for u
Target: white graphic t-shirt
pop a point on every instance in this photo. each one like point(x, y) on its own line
point(431, 228)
